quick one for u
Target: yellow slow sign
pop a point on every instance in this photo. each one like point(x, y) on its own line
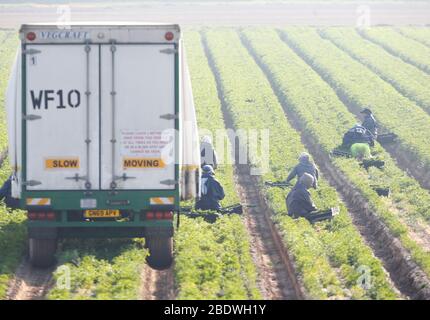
point(62, 163)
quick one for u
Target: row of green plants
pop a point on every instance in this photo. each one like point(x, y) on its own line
point(212, 261)
point(420, 34)
point(359, 87)
point(408, 80)
point(328, 256)
point(8, 46)
point(13, 234)
point(98, 270)
point(325, 118)
point(407, 49)
point(12, 223)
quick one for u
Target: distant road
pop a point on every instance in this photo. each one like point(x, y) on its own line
point(228, 14)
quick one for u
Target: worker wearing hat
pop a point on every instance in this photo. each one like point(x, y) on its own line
point(211, 191)
point(369, 122)
point(305, 166)
point(299, 202)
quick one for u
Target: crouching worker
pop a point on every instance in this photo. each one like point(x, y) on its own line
point(211, 191)
point(6, 194)
point(300, 204)
point(305, 166)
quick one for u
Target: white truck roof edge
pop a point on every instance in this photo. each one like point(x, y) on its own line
point(99, 33)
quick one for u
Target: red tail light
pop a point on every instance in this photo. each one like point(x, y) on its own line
point(50, 216)
point(150, 215)
point(168, 215)
point(159, 215)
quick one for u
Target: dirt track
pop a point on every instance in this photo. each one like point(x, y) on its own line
point(228, 14)
point(277, 278)
point(29, 283)
point(157, 285)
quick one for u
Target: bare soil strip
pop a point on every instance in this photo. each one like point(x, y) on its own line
point(30, 283)
point(405, 160)
point(157, 285)
point(405, 274)
point(277, 277)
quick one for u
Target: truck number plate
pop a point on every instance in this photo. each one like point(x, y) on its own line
point(102, 214)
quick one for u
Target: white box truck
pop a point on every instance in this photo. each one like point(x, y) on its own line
point(102, 132)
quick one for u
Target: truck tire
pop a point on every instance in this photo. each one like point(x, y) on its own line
point(160, 252)
point(42, 252)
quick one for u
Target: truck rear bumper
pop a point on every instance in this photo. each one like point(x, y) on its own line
point(94, 232)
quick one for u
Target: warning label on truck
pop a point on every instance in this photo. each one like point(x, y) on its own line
point(62, 163)
point(142, 149)
point(141, 163)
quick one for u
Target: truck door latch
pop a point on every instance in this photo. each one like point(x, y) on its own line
point(169, 116)
point(169, 182)
point(169, 51)
point(31, 51)
point(31, 183)
point(77, 177)
point(31, 117)
point(124, 177)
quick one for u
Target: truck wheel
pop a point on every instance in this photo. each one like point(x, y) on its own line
point(160, 252)
point(42, 252)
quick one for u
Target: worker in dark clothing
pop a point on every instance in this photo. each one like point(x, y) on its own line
point(211, 191)
point(300, 204)
point(6, 194)
point(357, 134)
point(207, 153)
point(369, 122)
point(305, 166)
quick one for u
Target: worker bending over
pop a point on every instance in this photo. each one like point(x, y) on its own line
point(357, 134)
point(6, 194)
point(211, 191)
point(300, 204)
point(305, 166)
point(207, 153)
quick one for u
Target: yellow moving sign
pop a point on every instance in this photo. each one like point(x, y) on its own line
point(142, 163)
point(66, 163)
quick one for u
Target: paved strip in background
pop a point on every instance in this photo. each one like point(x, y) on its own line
point(228, 14)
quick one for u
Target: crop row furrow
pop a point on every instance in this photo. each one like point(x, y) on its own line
point(325, 270)
point(212, 261)
point(394, 112)
point(409, 50)
point(407, 79)
point(324, 118)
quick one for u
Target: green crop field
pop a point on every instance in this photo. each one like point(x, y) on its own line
point(306, 86)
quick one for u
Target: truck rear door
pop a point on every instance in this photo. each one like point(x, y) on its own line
point(62, 117)
point(138, 116)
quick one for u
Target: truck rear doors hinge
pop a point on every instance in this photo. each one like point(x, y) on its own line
point(169, 51)
point(169, 116)
point(169, 182)
point(31, 51)
point(31, 183)
point(31, 117)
